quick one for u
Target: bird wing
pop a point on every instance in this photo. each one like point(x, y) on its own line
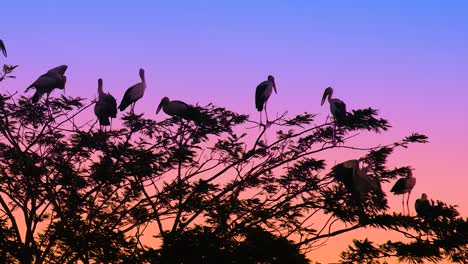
point(399, 186)
point(422, 207)
point(179, 105)
point(344, 174)
point(410, 183)
point(98, 108)
point(43, 81)
point(260, 95)
point(127, 98)
point(111, 105)
point(2, 48)
point(60, 70)
point(340, 105)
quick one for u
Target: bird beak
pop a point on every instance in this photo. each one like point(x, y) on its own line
point(159, 108)
point(325, 94)
point(2, 47)
point(274, 87)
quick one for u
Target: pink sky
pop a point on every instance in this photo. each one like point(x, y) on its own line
point(407, 59)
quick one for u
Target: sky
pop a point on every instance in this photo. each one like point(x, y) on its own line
point(409, 59)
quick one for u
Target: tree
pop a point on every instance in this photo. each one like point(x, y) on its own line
point(209, 192)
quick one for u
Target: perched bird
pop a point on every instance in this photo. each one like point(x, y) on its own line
point(422, 206)
point(355, 179)
point(363, 184)
point(47, 82)
point(404, 185)
point(263, 92)
point(337, 107)
point(106, 107)
point(2, 48)
point(179, 109)
point(134, 93)
point(345, 171)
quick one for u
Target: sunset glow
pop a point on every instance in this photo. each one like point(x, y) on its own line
point(407, 59)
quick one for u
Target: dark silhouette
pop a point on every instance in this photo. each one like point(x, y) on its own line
point(262, 94)
point(105, 107)
point(47, 82)
point(134, 93)
point(3, 48)
point(180, 109)
point(177, 191)
point(337, 107)
point(422, 206)
point(404, 185)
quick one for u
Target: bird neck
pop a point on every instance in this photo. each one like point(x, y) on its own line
point(100, 91)
point(330, 96)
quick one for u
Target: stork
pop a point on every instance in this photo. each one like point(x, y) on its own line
point(337, 107)
point(47, 82)
point(355, 179)
point(263, 92)
point(134, 93)
point(105, 108)
point(404, 185)
point(363, 184)
point(179, 109)
point(2, 48)
point(422, 206)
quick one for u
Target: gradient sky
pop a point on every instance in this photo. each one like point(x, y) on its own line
point(407, 58)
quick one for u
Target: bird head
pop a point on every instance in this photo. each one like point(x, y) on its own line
point(163, 102)
point(142, 74)
point(272, 80)
point(326, 93)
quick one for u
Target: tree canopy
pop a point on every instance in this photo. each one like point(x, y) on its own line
point(212, 191)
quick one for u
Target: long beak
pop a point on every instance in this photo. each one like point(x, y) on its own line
point(159, 108)
point(324, 97)
point(274, 87)
point(2, 47)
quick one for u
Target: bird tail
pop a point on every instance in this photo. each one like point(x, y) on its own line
point(104, 121)
point(259, 105)
point(36, 97)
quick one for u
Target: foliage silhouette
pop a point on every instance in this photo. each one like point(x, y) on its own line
point(211, 191)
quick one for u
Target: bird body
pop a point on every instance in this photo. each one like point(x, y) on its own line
point(364, 184)
point(2, 48)
point(337, 107)
point(134, 93)
point(106, 106)
point(179, 109)
point(404, 185)
point(422, 206)
point(262, 94)
point(47, 82)
point(355, 179)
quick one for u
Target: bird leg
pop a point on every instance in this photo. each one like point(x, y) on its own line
point(260, 125)
point(407, 200)
point(266, 112)
point(334, 132)
point(403, 203)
